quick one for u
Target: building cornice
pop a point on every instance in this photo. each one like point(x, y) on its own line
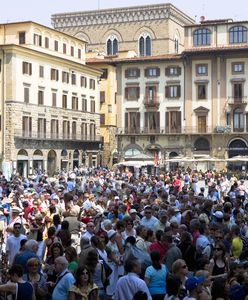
point(120, 15)
point(59, 60)
point(138, 59)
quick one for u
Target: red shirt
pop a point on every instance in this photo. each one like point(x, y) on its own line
point(159, 247)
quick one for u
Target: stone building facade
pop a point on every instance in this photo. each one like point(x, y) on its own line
point(208, 122)
point(49, 101)
point(138, 31)
point(147, 30)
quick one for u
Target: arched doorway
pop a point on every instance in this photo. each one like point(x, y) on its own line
point(75, 159)
point(22, 162)
point(173, 165)
point(51, 162)
point(64, 159)
point(38, 160)
point(237, 147)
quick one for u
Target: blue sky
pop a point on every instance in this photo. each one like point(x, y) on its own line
point(41, 11)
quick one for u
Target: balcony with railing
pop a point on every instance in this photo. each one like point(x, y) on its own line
point(151, 102)
point(237, 100)
point(34, 135)
point(169, 130)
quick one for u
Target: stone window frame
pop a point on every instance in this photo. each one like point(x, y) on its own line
point(238, 63)
point(198, 66)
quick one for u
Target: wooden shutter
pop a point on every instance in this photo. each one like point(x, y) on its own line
point(102, 96)
point(146, 121)
point(179, 71)
point(30, 126)
point(157, 121)
point(138, 72)
point(138, 122)
point(126, 93)
point(30, 69)
point(126, 122)
point(146, 72)
point(167, 71)
point(157, 71)
point(44, 127)
point(126, 73)
point(167, 92)
point(137, 92)
point(178, 91)
point(167, 122)
point(178, 121)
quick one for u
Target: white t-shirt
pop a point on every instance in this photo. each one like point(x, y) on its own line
point(13, 246)
point(189, 298)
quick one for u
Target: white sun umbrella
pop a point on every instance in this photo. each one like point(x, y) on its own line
point(238, 158)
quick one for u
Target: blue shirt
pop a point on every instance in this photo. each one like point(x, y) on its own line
point(61, 290)
point(157, 279)
point(149, 223)
point(22, 258)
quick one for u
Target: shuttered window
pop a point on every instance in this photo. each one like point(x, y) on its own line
point(173, 122)
point(132, 93)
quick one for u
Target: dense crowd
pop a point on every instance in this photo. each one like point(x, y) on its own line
point(103, 234)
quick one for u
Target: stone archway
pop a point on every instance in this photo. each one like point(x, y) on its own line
point(22, 162)
point(51, 162)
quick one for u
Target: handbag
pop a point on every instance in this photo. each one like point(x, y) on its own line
point(107, 269)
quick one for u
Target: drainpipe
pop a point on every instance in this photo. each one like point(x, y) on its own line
point(3, 98)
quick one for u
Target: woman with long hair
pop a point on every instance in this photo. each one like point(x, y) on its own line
point(71, 256)
point(155, 276)
point(219, 263)
point(180, 269)
point(84, 288)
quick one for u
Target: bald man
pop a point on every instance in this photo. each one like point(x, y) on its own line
point(64, 280)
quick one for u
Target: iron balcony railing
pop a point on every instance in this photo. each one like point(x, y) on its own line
point(151, 102)
point(56, 136)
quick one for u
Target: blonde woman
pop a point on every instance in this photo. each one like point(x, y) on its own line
point(180, 269)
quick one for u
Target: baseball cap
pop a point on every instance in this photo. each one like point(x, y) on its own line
point(132, 211)
point(193, 282)
point(218, 214)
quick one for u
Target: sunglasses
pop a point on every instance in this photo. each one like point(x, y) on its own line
point(218, 249)
point(129, 223)
point(184, 266)
point(218, 237)
point(85, 273)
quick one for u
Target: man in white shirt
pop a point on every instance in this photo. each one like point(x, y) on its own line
point(13, 242)
point(130, 284)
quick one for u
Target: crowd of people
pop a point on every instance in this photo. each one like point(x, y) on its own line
point(104, 234)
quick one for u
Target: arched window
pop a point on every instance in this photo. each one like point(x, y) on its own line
point(145, 45)
point(112, 45)
point(202, 37)
point(201, 144)
point(238, 120)
point(238, 34)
